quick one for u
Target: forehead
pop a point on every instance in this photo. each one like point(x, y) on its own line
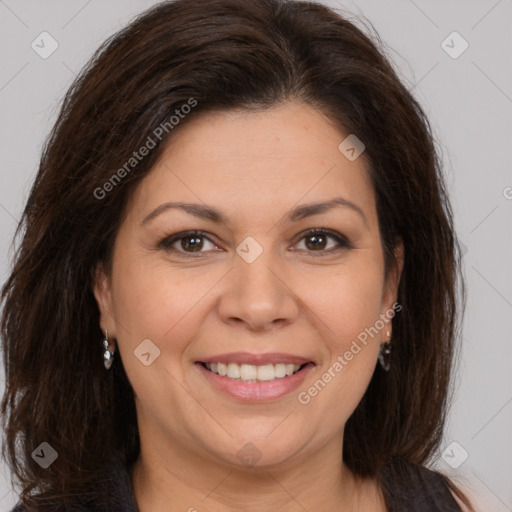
point(249, 164)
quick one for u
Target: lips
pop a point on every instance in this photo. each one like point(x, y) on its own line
point(255, 390)
point(256, 359)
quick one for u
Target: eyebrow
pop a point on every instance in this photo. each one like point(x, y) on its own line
point(207, 212)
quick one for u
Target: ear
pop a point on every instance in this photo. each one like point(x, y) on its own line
point(102, 289)
point(390, 294)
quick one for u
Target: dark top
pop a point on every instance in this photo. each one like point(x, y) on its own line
point(120, 499)
point(427, 493)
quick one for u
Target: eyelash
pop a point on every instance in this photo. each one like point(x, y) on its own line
point(343, 243)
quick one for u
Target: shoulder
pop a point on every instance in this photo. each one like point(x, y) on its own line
point(117, 501)
point(411, 486)
point(451, 492)
point(475, 505)
point(462, 505)
point(55, 507)
point(112, 494)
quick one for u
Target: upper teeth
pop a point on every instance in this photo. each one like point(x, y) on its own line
point(253, 372)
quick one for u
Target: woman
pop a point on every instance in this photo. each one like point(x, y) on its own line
point(236, 287)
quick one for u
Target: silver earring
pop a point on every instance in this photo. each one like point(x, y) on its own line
point(385, 354)
point(109, 349)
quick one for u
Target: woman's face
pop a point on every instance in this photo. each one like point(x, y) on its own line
point(252, 284)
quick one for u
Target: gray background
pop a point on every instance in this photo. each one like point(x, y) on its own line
point(469, 102)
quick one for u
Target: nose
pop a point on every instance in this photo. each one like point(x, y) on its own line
point(258, 295)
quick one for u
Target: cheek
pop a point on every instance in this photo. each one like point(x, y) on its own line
point(350, 307)
point(152, 300)
point(349, 302)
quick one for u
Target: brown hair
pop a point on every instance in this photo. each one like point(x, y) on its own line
point(224, 54)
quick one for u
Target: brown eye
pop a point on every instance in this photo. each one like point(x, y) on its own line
point(317, 240)
point(189, 242)
point(195, 243)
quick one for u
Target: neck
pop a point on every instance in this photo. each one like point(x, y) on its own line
point(318, 482)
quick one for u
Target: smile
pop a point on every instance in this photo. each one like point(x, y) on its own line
point(254, 383)
point(253, 373)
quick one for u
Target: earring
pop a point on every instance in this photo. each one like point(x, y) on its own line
point(108, 354)
point(385, 354)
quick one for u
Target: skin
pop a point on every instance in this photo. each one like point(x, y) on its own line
point(254, 168)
